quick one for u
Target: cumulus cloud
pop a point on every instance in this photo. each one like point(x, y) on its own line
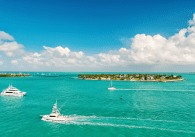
point(10, 48)
point(109, 58)
point(178, 49)
point(59, 57)
point(59, 49)
point(1, 62)
point(14, 62)
point(192, 22)
point(5, 36)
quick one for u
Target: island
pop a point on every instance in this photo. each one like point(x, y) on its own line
point(132, 77)
point(14, 75)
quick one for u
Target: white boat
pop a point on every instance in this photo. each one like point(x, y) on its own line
point(50, 75)
point(55, 115)
point(111, 88)
point(12, 91)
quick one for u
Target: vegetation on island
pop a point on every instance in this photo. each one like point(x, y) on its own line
point(14, 75)
point(132, 77)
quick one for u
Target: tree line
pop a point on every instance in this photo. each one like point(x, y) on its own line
point(129, 76)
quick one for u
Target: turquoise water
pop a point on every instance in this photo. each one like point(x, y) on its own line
point(147, 108)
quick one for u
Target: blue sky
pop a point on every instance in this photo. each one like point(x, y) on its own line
point(92, 27)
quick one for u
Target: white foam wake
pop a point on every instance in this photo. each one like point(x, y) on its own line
point(84, 118)
point(127, 126)
point(115, 122)
point(156, 89)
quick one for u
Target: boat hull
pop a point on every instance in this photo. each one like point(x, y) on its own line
point(11, 94)
point(111, 88)
point(48, 118)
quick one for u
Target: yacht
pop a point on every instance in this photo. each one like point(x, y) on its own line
point(42, 74)
point(111, 88)
point(12, 91)
point(55, 115)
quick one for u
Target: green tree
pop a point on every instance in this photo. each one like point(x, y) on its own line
point(99, 78)
point(122, 79)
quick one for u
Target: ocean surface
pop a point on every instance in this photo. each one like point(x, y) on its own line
point(148, 109)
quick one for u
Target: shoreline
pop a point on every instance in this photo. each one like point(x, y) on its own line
point(15, 75)
point(132, 77)
point(138, 80)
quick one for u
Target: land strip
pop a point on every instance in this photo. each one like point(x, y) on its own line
point(132, 77)
point(14, 75)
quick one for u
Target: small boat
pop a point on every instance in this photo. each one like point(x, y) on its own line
point(42, 74)
point(121, 97)
point(12, 91)
point(50, 75)
point(55, 115)
point(111, 88)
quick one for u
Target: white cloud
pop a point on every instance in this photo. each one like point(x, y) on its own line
point(178, 49)
point(73, 61)
point(192, 22)
point(9, 54)
point(58, 57)
point(147, 49)
point(79, 54)
point(31, 59)
point(107, 58)
point(14, 62)
point(10, 48)
point(36, 54)
point(62, 51)
point(5, 36)
point(92, 59)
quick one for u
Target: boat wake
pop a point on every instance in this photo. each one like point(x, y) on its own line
point(156, 90)
point(127, 123)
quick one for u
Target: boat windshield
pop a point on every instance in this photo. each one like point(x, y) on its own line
point(13, 90)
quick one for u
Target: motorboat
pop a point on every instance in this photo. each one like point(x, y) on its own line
point(42, 74)
point(12, 91)
point(111, 88)
point(55, 115)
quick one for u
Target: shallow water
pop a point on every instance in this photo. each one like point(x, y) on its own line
point(147, 108)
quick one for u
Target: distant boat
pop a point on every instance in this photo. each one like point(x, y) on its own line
point(111, 88)
point(121, 97)
point(52, 75)
point(43, 74)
